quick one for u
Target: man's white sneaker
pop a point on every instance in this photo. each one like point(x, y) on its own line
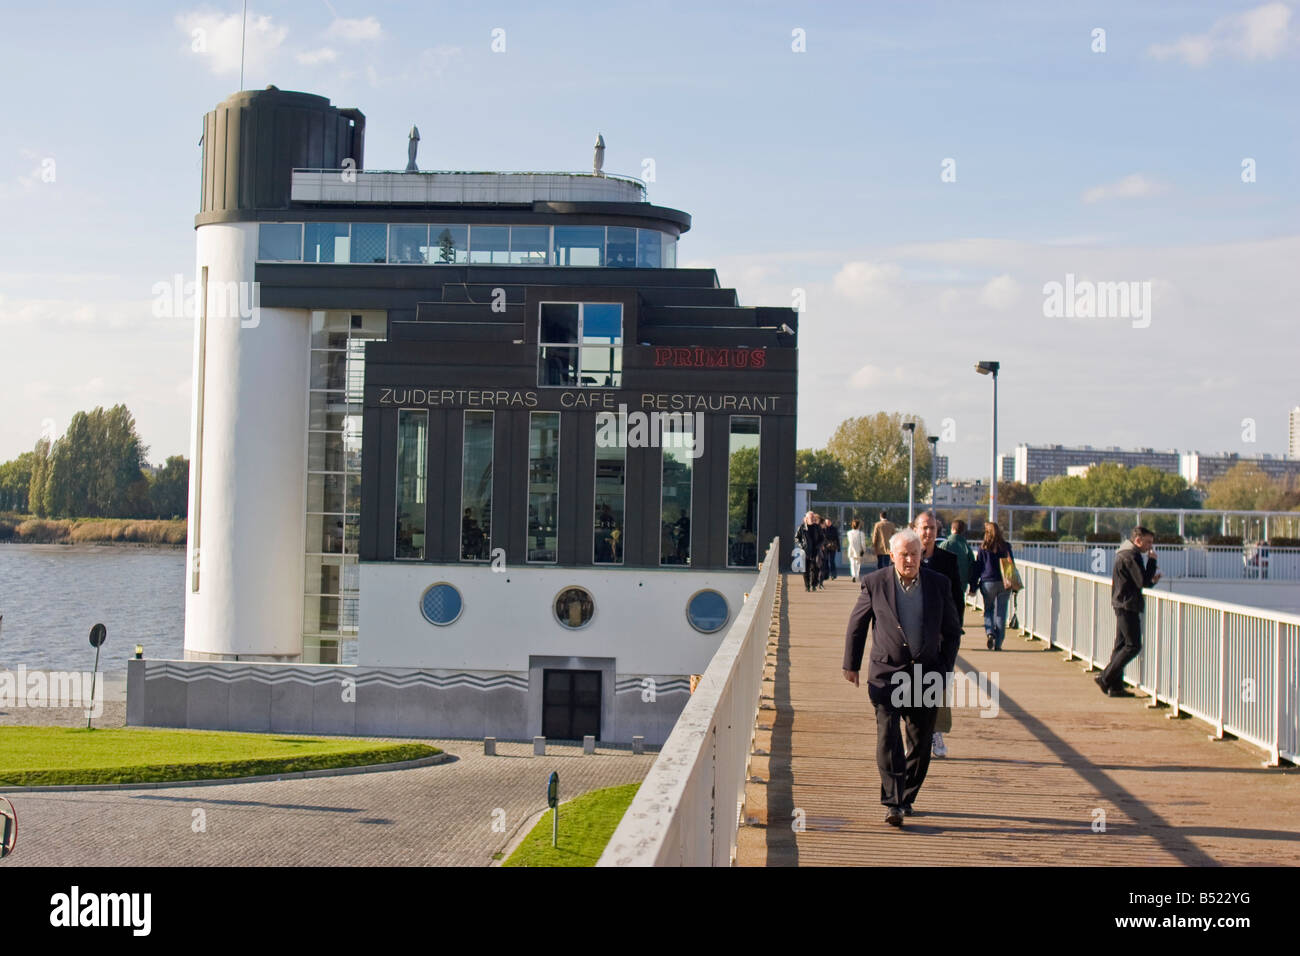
point(939, 748)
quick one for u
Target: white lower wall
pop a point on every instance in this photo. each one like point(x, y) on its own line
point(640, 617)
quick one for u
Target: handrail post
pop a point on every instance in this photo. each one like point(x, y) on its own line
point(1177, 687)
point(1223, 671)
point(1155, 666)
point(1275, 757)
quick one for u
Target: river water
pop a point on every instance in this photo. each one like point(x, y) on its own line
point(51, 595)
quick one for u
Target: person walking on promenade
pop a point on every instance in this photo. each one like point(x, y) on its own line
point(915, 636)
point(957, 545)
point(857, 549)
point(987, 578)
point(1129, 576)
point(934, 558)
point(809, 537)
point(880, 535)
point(830, 547)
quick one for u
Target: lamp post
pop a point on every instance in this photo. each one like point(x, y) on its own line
point(910, 428)
point(934, 465)
point(991, 368)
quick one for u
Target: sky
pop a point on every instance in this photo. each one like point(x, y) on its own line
point(913, 176)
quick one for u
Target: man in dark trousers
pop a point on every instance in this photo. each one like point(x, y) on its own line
point(809, 537)
point(1129, 576)
point(926, 527)
point(914, 644)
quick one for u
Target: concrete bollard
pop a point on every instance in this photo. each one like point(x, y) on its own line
point(539, 746)
point(638, 745)
point(489, 746)
point(589, 744)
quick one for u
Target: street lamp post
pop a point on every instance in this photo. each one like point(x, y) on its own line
point(910, 428)
point(991, 368)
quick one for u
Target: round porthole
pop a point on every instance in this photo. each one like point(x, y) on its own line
point(574, 608)
point(707, 611)
point(441, 604)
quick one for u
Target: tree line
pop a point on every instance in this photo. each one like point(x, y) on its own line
point(866, 459)
point(96, 469)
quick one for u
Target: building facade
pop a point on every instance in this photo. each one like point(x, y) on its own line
point(475, 437)
point(1033, 463)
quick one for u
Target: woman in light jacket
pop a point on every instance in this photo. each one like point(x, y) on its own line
point(986, 577)
point(857, 547)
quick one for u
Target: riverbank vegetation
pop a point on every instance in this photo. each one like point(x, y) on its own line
point(97, 469)
point(28, 529)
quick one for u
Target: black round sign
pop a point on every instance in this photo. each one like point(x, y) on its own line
point(98, 634)
point(553, 790)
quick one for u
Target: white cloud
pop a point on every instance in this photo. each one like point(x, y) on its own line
point(1259, 34)
point(216, 40)
point(1001, 292)
point(1135, 186)
point(868, 283)
point(346, 29)
point(869, 376)
point(314, 57)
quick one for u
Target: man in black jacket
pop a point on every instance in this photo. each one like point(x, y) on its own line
point(926, 527)
point(809, 537)
point(1128, 577)
point(914, 644)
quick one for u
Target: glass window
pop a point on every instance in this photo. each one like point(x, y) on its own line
point(450, 244)
point(620, 247)
point(557, 366)
point(325, 493)
point(611, 468)
point(669, 252)
point(369, 242)
point(408, 244)
point(329, 369)
point(412, 472)
point(325, 241)
point(329, 330)
point(602, 323)
point(543, 484)
point(707, 611)
point(574, 607)
point(559, 323)
point(530, 245)
point(742, 492)
point(476, 488)
point(676, 440)
point(327, 410)
point(489, 245)
point(441, 604)
point(647, 248)
point(580, 245)
point(601, 368)
point(324, 451)
point(279, 242)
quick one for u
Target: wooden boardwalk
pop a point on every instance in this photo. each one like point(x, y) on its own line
point(1029, 786)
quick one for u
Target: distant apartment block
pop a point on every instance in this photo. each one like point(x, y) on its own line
point(1203, 469)
point(940, 467)
point(1006, 467)
point(1033, 463)
point(957, 494)
point(1293, 433)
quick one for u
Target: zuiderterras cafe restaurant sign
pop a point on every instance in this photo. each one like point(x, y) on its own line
point(556, 399)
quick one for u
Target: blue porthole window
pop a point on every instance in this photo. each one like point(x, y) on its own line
point(441, 604)
point(707, 611)
point(574, 607)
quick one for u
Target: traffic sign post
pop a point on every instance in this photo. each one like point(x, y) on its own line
point(553, 801)
point(98, 634)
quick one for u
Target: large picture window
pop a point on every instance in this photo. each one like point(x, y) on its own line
point(543, 486)
point(676, 440)
point(611, 476)
point(580, 344)
point(742, 492)
point(412, 476)
point(476, 488)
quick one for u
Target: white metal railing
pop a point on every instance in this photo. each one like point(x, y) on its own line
point(1235, 667)
point(688, 808)
point(1249, 563)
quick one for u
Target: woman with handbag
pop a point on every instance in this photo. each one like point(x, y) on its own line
point(989, 579)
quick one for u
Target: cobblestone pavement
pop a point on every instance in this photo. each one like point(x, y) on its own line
point(454, 814)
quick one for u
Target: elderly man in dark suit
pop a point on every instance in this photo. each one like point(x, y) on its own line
point(914, 645)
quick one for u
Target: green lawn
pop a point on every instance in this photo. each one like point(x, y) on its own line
point(48, 756)
point(586, 824)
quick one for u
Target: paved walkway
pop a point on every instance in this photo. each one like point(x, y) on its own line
point(1024, 787)
point(454, 814)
